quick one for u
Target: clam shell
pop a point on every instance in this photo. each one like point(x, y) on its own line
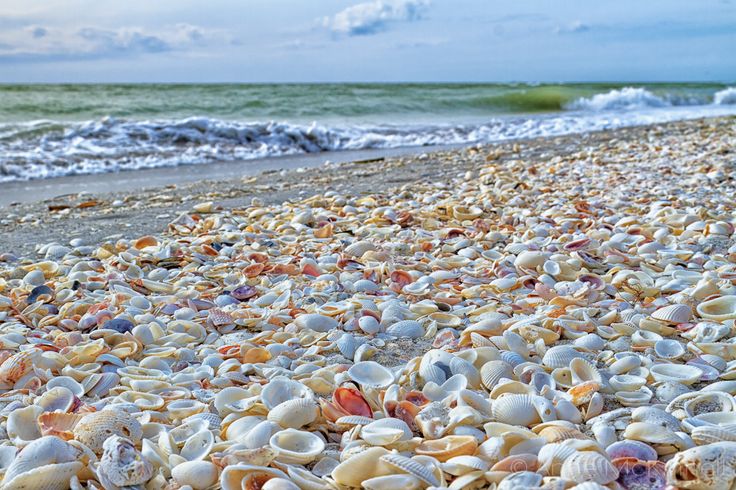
point(296, 446)
point(240, 476)
point(669, 349)
point(197, 474)
point(316, 322)
point(281, 389)
point(582, 371)
point(718, 309)
point(448, 447)
point(386, 431)
point(294, 414)
point(411, 467)
point(362, 466)
point(524, 410)
point(198, 446)
point(681, 373)
point(632, 449)
point(390, 482)
point(588, 466)
point(370, 374)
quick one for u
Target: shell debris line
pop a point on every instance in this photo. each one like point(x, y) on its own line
point(557, 324)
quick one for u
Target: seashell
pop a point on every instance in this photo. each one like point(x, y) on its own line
point(370, 374)
point(22, 426)
point(95, 428)
point(369, 325)
point(411, 467)
point(357, 249)
point(16, 366)
point(634, 398)
point(386, 431)
point(67, 382)
point(651, 433)
point(521, 479)
point(296, 446)
point(708, 434)
point(57, 424)
point(316, 322)
point(669, 349)
point(197, 474)
point(669, 390)
point(47, 451)
point(198, 446)
point(655, 416)
point(631, 449)
point(295, 413)
point(719, 309)
point(448, 447)
point(493, 371)
point(582, 371)
point(694, 467)
point(362, 466)
point(244, 476)
point(525, 410)
point(559, 433)
point(681, 373)
point(406, 328)
point(281, 389)
point(588, 466)
point(635, 473)
point(626, 382)
point(560, 356)
point(590, 341)
point(673, 314)
point(709, 402)
point(122, 465)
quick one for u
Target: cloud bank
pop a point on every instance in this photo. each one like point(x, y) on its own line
point(368, 18)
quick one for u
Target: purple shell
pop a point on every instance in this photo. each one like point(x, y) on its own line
point(120, 325)
point(632, 449)
point(243, 293)
point(640, 475)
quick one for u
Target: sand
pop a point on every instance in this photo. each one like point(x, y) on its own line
point(96, 216)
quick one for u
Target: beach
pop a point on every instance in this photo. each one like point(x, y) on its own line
point(142, 209)
point(556, 312)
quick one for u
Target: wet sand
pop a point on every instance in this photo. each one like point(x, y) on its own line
point(146, 201)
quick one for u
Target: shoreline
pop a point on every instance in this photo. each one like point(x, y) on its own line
point(95, 216)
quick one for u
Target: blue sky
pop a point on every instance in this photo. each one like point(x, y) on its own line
point(373, 40)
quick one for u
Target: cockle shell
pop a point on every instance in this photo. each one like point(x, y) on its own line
point(411, 467)
point(22, 426)
point(588, 466)
point(669, 349)
point(708, 434)
point(582, 371)
point(673, 314)
point(493, 371)
point(631, 449)
point(390, 482)
point(281, 389)
point(560, 356)
point(296, 446)
point(406, 328)
point(524, 410)
point(94, 429)
point(47, 451)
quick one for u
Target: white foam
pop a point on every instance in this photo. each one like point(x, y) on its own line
point(725, 97)
point(44, 149)
point(627, 98)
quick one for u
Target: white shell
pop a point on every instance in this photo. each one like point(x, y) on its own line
point(197, 474)
point(198, 446)
point(525, 410)
point(370, 374)
point(296, 446)
point(294, 414)
point(386, 431)
point(718, 309)
point(673, 314)
point(281, 389)
point(406, 328)
point(316, 322)
point(669, 349)
point(682, 373)
point(587, 466)
point(493, 371)
point(560, 356)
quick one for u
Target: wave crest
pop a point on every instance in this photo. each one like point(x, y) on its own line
point(726, 96)
point(627, 98)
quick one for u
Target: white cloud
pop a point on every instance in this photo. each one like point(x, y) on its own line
point(43, 43)
point(572, 28)
point(373, 17)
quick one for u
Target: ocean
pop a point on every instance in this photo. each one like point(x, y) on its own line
point(49, 131)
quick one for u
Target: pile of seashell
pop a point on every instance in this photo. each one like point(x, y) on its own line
point(526, 327)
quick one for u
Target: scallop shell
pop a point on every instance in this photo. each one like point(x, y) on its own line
point(673, 314)
point(122, 464)
point(296, 446)
point(493, 371)
point(197, 474)
point(588, 466)
point(94, 429)
point(560, 356)
point(294, 414)
point(370, 374)
point(406, 328)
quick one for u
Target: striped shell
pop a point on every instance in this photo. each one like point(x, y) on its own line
point(522, 410)
point(590, 341)
point(281, 389)
point(16, 366)
point(588, 466)
point(493, 371)
point(673, 314)
point(708, 434)
point(406, 328)
point(411, 467)
point(357, 249)
point(560, 356)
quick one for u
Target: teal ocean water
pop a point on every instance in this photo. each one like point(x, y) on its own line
point(54, 130)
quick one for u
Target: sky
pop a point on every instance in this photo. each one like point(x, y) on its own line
point(374, 40)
